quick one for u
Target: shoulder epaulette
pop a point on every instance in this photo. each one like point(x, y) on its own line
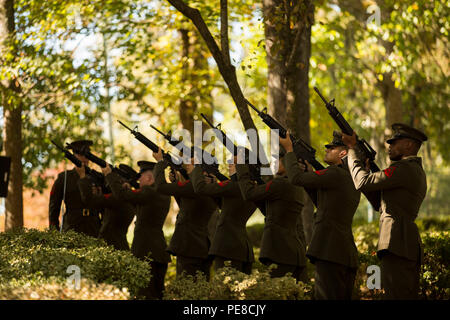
point(389, 171)
point(182, 184)
point(320, 172)
point(223, 183)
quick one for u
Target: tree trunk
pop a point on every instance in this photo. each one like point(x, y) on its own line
point(288, 50)
point(227, 71)
point(12, 111)
point(195, 67)
point(13, 149)
point(186, 109)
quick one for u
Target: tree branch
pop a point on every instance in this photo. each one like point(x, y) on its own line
point(224, 31)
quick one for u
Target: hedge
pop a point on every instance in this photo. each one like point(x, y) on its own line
point(33, 256)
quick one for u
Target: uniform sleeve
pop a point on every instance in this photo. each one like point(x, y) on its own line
point(176, 189)
point(392, 177)
point(320, 179)
point(223, 188)
point(253, 192)
point(56, 197)
point(138, 197)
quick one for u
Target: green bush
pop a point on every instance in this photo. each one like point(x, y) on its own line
point(434, 223)
point(230, 284)
point(435, 279)
point(29, 255)
point(55, 288)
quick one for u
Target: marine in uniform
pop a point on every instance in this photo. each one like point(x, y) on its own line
point(117, 215)
point(152, 208)
point(280, 244)
point(401, 190)
point(190, 241)
point(332, 248)
point(230, 242)
point(77, 216)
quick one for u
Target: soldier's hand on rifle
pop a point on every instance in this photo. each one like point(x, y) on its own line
point(81, 171)
point(172, 175)
point(158, 155)
point(106, 170)
point(126, 185)
point(308, 166)
point(349, 141)
point(302, 165)
point(209, 178)
point(96, 190)
point(286, 143)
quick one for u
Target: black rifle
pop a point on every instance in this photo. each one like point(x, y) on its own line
point(209, 168)
point(97, 177)
point(128, 172)
point(365, 147)
point(302, 149)
point(221, 135)
point(102, 163)
point(152, 146)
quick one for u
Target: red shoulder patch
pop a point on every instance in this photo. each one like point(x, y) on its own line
point(320, 172)
point(136, 190)
point(268, 185)
point(389, 171)
point(107, 195)
point(223, 183)
point(182, 184)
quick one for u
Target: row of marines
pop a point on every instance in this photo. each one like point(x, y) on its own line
point(397, 192)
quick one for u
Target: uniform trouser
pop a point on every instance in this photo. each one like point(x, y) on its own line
point(298, 272)
point(190, 266)
point(155, 288)
point(242, 266)
point(399, 277)
point(333, 281)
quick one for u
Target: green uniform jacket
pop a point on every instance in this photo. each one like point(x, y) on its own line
point(116, 218)
point(152, 208)
point(402, 188)
point(190, 238)
point(78, 216)
point(230, 239)
point(337, 201)
point(280, 241)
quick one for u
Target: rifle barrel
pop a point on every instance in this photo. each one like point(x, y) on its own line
point(124, 125)
point(252, 106)
point(207, 120)
point(320, 95)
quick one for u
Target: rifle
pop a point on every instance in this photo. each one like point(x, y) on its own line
point(102, 163)
point(302, 150)
point(254, 168)
point(209, 168)
point(345, 127)
point(128, 172)
point(96, 176)
point(152, 146)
